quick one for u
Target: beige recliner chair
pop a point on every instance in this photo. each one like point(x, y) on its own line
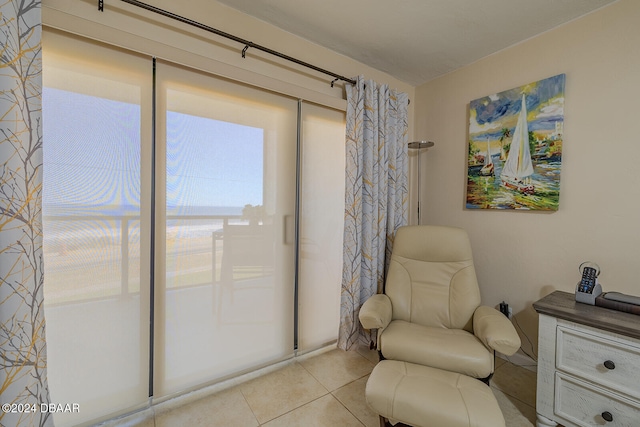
point(430, 313)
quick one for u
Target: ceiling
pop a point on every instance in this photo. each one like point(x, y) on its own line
point(415, 40)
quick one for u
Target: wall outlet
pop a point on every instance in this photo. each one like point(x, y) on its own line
point(509, 312)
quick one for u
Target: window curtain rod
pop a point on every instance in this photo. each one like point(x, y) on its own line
point(247, 44)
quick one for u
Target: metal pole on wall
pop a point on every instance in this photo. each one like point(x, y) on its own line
point(419, 145)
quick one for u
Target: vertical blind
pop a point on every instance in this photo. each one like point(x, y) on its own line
point(225, 206)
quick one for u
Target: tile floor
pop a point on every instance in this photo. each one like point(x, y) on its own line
point(323, 390)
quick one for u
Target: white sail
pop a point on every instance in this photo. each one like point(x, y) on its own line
point(487, 159)
point(518, 164)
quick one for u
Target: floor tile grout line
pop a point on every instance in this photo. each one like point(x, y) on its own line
point(290, 410)
point(338, 388)
point(524, 403)
point(295, 409)
point(345, 406)
point(249, 406)
point(330, 392)
point(314, 377)
point(493, 385)
point(515, 397)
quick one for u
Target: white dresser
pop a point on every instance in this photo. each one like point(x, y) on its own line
point(588, 364)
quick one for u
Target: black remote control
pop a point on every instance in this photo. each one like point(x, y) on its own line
point(588, 281)
point(588, 288)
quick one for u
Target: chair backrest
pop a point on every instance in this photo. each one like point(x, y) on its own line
point(431, 279)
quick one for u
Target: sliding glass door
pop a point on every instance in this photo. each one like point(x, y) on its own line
point(225, 253)
point(321, 225)
point(96, 200)
point(170, 259)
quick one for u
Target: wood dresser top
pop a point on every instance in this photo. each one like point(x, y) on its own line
point(564, 306)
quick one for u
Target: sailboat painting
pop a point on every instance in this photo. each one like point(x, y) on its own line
point(515, 147)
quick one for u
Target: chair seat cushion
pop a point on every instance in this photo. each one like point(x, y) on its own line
point(453, 350)
point(421, 396)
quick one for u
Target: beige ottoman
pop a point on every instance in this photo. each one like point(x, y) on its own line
point(422, 396)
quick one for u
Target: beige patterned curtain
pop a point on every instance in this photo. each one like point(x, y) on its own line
point(376, 196)
point(22, 334)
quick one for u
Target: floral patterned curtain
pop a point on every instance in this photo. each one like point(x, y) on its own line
point(376, 197)
point(23, 363)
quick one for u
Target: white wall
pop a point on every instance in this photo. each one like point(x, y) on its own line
point(522, 256)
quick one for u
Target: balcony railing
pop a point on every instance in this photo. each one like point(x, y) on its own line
point(98, 256)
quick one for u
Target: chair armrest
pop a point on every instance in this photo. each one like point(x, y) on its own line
point(375, 313)
point(495, 330)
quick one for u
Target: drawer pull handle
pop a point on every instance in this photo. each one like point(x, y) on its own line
point(609, 365)
point(607, 416)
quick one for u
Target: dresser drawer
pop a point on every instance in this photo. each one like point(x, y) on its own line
point(584, 405)
point(584, 353)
